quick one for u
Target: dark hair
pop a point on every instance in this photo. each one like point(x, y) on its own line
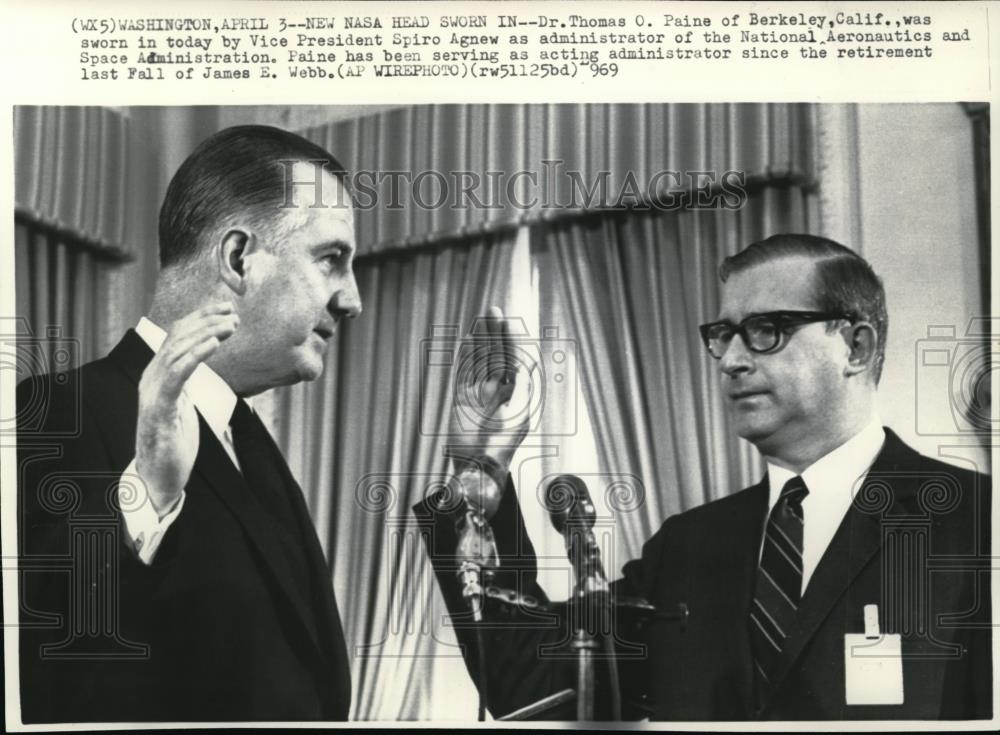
point(234, 171)
point(845, 282)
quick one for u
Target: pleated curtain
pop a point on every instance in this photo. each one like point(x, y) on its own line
point(71, 184)
point(427, 142)
point(59, 287)
point(71, 173)
point(366, 442)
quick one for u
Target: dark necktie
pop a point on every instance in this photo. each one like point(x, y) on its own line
point(257, 455)
point(269, 481)
point(779, 581)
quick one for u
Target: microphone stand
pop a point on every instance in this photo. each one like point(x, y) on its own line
point(635, 607)
point(479, 483)
point(477, 555)
point(584, 645)
point(592, 595)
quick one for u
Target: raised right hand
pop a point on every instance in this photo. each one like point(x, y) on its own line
point(166, 435)
point(485, 380)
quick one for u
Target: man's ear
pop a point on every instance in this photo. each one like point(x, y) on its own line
point(236, 245)
point(862, 342)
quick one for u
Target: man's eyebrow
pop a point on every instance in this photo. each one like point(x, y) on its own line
point(332, 244)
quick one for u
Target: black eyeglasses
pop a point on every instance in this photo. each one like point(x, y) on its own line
point(760, 332)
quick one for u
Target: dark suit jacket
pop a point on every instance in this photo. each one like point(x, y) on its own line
point(215, 629)
point(915, 542)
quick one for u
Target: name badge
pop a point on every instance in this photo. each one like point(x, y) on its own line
point(873, 664)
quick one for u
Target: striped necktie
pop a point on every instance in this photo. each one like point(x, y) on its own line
point(779, 581)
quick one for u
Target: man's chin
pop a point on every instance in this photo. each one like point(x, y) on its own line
point(755, 429)
point(310, 372)
point(301, 371)
point(310, 361)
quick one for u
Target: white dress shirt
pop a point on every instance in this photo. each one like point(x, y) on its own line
point(215, 401)
point(833, 481)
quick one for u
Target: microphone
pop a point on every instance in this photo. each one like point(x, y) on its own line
point(573, 514)
point(476, 551)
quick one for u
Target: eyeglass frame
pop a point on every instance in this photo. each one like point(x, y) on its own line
point(782, 320)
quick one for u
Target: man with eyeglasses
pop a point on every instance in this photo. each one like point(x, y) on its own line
point(822, 592)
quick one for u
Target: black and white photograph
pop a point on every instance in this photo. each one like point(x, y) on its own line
point(640, 413)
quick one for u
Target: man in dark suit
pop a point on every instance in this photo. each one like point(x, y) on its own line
point(169, 567)
point(852, 582)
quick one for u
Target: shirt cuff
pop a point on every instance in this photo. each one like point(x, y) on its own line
point(143, 524)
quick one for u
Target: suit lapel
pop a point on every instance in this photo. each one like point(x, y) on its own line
point(131, 355)
point(743, 539)
point(856, 543)
point(330, 618)
point(218, 471)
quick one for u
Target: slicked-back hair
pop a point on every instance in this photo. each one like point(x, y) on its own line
point(844, 281)
point(236, 171)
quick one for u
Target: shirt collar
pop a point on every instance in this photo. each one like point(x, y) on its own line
point(209, 393)
point(837, 472)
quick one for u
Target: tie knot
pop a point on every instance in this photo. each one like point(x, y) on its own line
point(242, 416)
point(794, 491)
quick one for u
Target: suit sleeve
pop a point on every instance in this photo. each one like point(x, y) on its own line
point(968, 679)
point(528, 654)
point(641, 579)
point(84, 593)
point(517, 670)
point(143, 527)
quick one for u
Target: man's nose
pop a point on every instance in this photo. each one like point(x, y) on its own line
point(737, 358)
point(346, 301)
